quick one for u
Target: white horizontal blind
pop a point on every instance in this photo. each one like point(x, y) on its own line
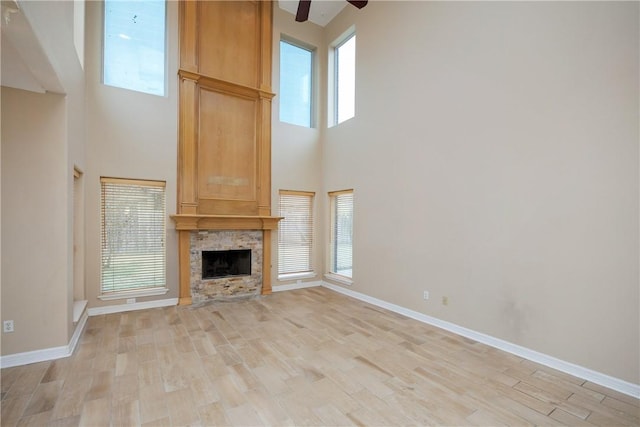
point(133, 235)
point(295, 232)
point(342, 233)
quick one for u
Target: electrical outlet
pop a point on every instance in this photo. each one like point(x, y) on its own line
point(131, 300)
point(445, 300)
point(425, 295)
point(7, 326)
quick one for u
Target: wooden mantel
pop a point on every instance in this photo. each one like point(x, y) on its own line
point(225, 222)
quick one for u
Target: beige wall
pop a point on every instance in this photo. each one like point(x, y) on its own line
point(129, 135)
point(297, 150)
point(42, 140)
point(494, 157)
point(34, 220)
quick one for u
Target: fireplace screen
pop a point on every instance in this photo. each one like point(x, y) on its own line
point(217, 264)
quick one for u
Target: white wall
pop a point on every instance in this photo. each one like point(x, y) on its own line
point(129, 135)
point(296, 150)
point(494, 157)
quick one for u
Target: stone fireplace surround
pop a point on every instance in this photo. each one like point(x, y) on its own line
point(213, 232)
point(203, 290)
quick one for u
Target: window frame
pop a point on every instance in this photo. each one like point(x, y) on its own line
point(334, 76)
point(165, 45)
point(127, 292)
point(312, 78)
point(310, 272)
point(332, 271)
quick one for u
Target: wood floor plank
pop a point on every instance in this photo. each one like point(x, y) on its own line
point(96, 412)
point(213, 414)
point(153, 403)
point(125, 414)
point(182, 410)
point(12, 409)
point(72, 398)
point(44, 398)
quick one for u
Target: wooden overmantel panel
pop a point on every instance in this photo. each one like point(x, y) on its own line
point(225, 108)
point(229, 44)
point(227, 147)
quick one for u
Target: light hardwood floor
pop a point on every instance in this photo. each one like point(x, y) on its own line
point(305, 357)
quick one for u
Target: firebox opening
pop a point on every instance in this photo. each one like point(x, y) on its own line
point(217, 264)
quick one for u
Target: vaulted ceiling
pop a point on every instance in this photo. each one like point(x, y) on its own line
point(321, 13)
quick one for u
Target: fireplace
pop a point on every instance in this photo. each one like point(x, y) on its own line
point(219, 264)
point(224, 145)
point(234, 257)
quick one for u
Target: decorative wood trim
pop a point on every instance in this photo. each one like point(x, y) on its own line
point(189, 35)
point(187, 148)
point(266, 261)
point(225, 86)
point(338, 193)
point(264, 157)
point(297, 193)
point(184, 248)
point(223, 222)
point(126, 181)
point(266, 28)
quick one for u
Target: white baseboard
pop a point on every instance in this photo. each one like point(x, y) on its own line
point(120, 308)
point(293, 286)
point(604, 380)
point(46, 354)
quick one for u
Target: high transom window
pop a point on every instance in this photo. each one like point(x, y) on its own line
point(345, 79)
point(134, 45)
point(296, 83)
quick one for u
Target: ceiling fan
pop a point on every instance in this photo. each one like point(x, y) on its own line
point(305, 5)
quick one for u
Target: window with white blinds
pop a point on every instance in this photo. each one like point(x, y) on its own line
point(295, 232)
point(132, 235)
point(342, 233)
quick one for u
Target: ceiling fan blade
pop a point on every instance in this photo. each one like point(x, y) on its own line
point(358, 3)
point(303, 10)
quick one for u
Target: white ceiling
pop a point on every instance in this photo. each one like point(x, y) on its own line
point(321, 12)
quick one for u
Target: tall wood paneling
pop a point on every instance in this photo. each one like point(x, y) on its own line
point(225, 108)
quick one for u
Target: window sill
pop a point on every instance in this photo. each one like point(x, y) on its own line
point(296, 276)
point(339, 278)
point(133, 294)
